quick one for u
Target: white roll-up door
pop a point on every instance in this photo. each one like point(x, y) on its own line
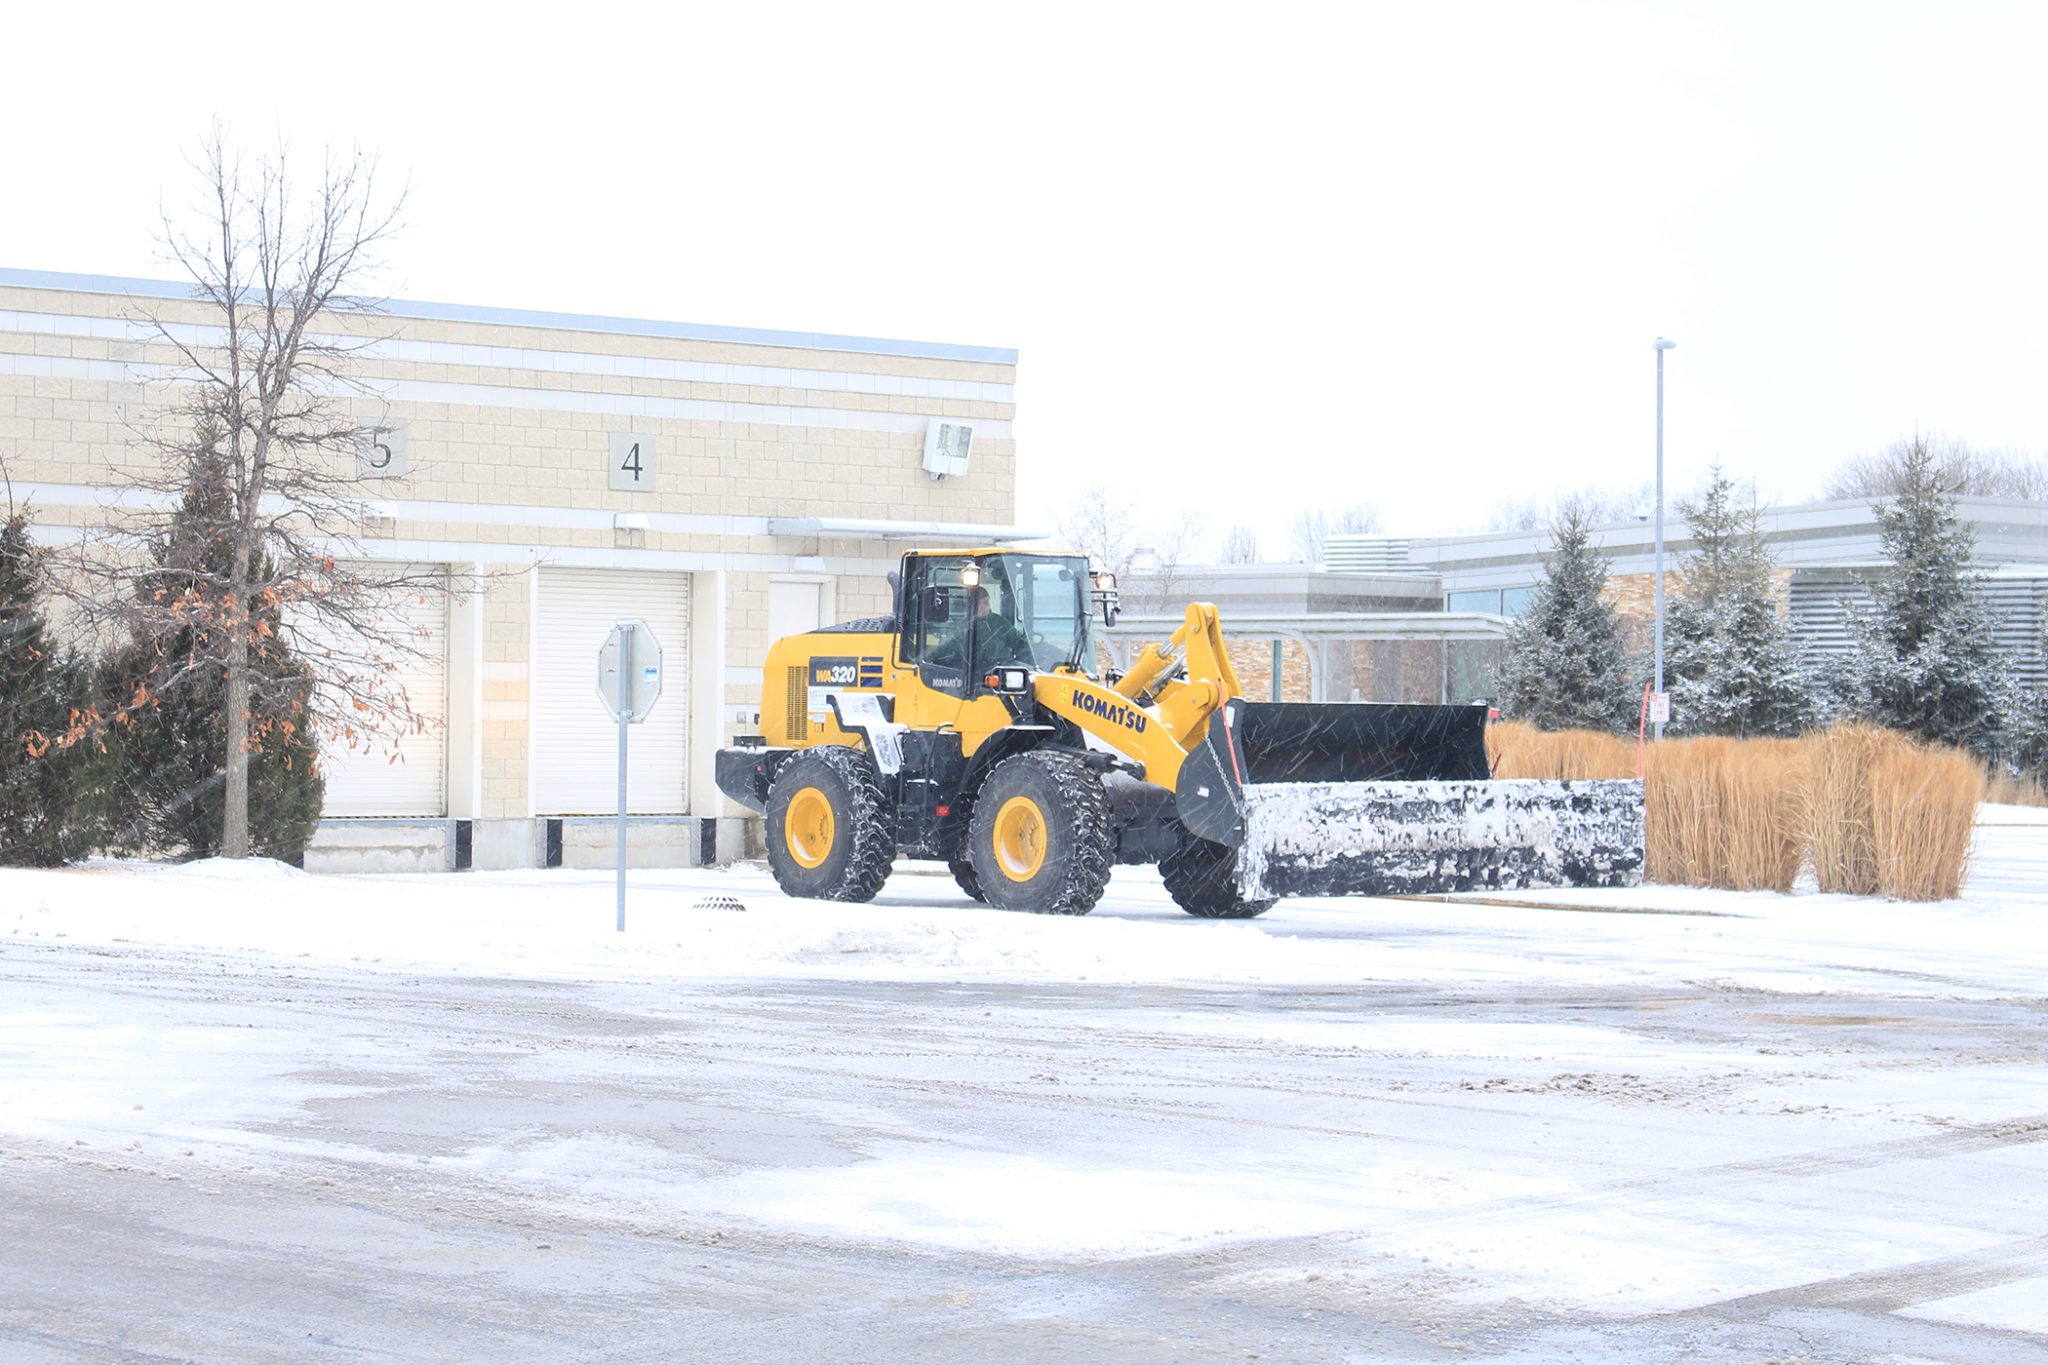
point(574, 742)
point(403, 775)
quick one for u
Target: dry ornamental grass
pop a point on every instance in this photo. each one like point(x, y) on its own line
point(1870, 811)
point(1841, 820)
point(1925, 805)
point(2007, 790)
point(1517, 750)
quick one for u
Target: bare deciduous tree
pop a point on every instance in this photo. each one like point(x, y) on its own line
point(1958, 468)
point(1172, 550)
point(253, 450)
point(1594, 506)
point(1314, 525)
point(1240, 545)
point(1101, 527)
point(1146, 558)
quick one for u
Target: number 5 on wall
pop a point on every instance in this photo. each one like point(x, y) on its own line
point(380, 452)
point(631, 465)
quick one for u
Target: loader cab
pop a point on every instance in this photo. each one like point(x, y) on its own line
point(966, 614)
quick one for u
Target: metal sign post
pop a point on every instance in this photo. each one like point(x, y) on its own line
point(626, 634)
point(629, 683)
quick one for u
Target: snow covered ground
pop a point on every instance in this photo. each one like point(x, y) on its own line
point(248, 1113)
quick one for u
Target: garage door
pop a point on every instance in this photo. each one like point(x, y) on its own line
point(406, 776)
point(574, 741)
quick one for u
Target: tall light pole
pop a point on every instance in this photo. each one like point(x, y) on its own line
point(1660, 345)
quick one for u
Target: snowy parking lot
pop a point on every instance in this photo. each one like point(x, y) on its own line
point(252, 1114)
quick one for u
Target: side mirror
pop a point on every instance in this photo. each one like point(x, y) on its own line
point(1105, 596)
point(937, 606)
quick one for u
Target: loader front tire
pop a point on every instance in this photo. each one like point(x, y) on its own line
point(829, 835)
point(1039, 839)
point(963, 874)
point(961, 864)
point(1202, 879)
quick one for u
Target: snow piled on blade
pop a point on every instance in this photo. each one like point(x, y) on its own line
point(1418, 838)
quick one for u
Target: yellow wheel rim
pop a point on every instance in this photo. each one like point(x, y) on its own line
point(807, 827)
point(1020, 838)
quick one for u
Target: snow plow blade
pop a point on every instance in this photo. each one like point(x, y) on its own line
point(1426, 838)
point(1354, 799)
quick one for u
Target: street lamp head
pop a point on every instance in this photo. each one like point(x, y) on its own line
point(1661, 344)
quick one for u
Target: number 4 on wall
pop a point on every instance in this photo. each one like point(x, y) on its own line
point(631, 467)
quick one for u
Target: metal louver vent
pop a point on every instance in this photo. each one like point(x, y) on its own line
point(1823, 599)
point(798, 694)
point(1365, 554)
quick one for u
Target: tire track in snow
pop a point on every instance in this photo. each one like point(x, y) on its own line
point(778, 1027)
point(1904, 1286)
point(937, 1035)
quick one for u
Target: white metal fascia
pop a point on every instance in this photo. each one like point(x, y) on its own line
point(527, 515)
point(587, 557)
point(546, 321)
point(1402, 625)
point(503, 358)
point(583, 400)
point(858, 528)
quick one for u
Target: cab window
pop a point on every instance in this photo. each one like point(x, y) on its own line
point(1058, 621)
point(931, 606)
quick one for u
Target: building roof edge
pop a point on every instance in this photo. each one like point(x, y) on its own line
point(574, 322)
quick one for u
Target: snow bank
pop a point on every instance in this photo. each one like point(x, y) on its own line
point(559, 924)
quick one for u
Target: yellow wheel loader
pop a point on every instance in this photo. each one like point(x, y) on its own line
point(972, 726)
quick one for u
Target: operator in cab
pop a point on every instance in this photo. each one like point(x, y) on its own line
point(991, 635)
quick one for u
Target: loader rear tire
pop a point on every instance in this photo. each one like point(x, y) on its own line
point(1040, 837)
point(1202, 879)
point(829, 835)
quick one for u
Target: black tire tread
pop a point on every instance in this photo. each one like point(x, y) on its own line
point(961, 864)
point(1078, 792)
point(1202, 879)
point(963, 873)
point(866, 814)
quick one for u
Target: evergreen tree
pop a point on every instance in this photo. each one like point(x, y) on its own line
point(52, 774)
point(1729, 660)
point(1925, 661)
point(1566, 666)
point(2026, 749)
point(173, 748)
point(2026, 713)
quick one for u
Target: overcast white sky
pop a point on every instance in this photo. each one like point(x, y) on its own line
point(1255, 258)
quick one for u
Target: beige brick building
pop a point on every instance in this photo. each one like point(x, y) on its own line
point(723, 484)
